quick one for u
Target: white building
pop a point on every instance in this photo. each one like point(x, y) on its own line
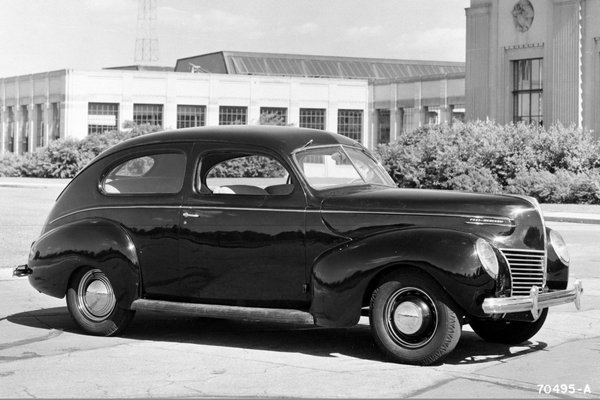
point(369, 100)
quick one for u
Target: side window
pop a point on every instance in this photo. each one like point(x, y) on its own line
point(245, 174)
point(149, 174)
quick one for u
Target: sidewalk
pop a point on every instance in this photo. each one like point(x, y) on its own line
point(575, 213)
point(33, 182)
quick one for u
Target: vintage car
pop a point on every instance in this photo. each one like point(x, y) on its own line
point(294, 225)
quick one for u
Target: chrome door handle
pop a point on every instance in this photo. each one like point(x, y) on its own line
point(190, 215)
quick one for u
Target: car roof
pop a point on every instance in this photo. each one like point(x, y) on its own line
point(282, 138)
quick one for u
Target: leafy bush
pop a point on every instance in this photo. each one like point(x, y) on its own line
point(561, 186)
point(248, 166)
point(557, 164)
point(63, 158)
point(10, 164)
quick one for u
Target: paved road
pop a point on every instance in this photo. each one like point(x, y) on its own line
point(42, 354)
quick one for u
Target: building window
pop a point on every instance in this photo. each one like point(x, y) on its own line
point(102, 117)
point(383, 128)
point(350, 123)
point(40, 126)
point(458, 112)
point(25, 129)
point(528, 90)
point(148, 114)
point(229, 115)
point(273, 116)
point(55, 120)
point(433, 115)
point(313, 118)
point(410, 119)
point(191, 116)
point(10, 130)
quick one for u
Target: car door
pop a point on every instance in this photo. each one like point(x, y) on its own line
point(142, 190)
point(243, 231)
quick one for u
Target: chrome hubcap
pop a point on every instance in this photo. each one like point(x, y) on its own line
point(411, 317)
point(95, 296)
point(408, 318)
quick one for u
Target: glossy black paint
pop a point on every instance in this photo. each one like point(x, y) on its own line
point(323, 251)
point(96, 243)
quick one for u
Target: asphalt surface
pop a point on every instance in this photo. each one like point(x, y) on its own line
point(44, 355)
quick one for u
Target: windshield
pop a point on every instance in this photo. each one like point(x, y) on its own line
point(334, 166)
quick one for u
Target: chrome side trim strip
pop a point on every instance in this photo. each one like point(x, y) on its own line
point(226, 312)
point(111, 208)
point(216, 208)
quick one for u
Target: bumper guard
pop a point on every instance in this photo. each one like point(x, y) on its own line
point(535, 302)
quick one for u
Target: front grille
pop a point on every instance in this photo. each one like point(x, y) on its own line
point(526, 269)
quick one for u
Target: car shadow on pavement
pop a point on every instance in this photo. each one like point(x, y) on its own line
point(471, 349)
point(323, 342)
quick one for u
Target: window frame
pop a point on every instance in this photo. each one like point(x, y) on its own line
point(195, 111)
point(384, 131)
point(147, 108)
point(201, 172)
point(518, 91)
point(118, 162)
point(104, 109)
point(224, 113)
point(281, 112)
point(344, 127)
point(310, 118)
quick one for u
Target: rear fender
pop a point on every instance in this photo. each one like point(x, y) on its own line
point(95, 243)
point(341, 276)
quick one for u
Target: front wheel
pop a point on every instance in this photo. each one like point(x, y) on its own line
point(411, 320)
point(93, 305)
point(508, 332)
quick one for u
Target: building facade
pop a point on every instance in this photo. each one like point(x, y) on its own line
point(369, 100)
point(399, 105)
point(534, 61)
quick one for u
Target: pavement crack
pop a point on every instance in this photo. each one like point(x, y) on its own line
point(52, 334)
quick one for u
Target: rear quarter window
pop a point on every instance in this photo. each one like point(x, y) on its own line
point(149, 174)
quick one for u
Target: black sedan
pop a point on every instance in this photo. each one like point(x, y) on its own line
point(296, 225)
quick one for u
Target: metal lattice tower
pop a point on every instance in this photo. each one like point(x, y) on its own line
point(146, 41)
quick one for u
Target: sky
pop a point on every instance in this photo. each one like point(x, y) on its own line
point(46, 35)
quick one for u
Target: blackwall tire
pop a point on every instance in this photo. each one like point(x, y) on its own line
point(508, 332)
point(411, 320)
point(93, 304)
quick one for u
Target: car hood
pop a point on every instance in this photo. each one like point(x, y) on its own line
point(370, 207)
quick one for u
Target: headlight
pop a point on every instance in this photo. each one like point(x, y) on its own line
point(487, 256)
point(560, 247)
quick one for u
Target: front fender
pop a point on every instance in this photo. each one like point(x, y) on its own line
point(341, 276)
point(95, 243)
point(557, 272)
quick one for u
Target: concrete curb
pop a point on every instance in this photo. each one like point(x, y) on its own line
point(572, 218)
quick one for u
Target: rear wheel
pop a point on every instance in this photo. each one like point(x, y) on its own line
point(93, 305)
point(411, 320)
point(508, 332)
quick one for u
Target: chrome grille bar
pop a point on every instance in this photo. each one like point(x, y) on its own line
point(526, 269)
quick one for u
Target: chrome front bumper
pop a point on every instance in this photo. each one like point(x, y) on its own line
point(535, 302)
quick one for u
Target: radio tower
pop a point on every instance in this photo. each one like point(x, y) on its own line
point(146, 41)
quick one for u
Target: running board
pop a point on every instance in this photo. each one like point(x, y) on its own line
point(226, 312)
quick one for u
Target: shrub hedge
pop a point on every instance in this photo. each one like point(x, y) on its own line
point(556, 164)
point(63, 158)
point(559, 164)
